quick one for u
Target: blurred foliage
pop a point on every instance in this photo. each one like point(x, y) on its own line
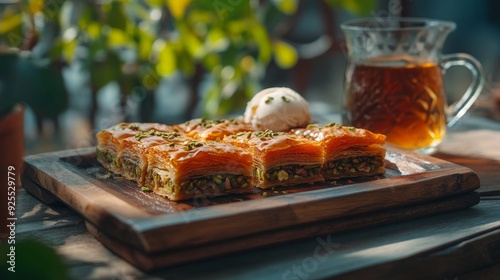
point(139, 42)
point(28, 81)
point(32, 259)
point(24, 78)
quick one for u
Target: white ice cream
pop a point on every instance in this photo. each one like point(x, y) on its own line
point(277, 109)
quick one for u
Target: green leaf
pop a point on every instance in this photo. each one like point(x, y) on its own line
point(33, 260)
point(285, 55)
point(184, 61)
point(87, 16)
point(144, 44)
point(93, 30)
point(286, 6)
point(115, 15)
point(216, 40)
point(11, 27)
point(117, 37)
point(178, 7)
point(210, 61)
point(10, 22)
point(191, 43)
point(260, 36)
point(35, 6)
point(166, 60)
point(69, 49)
point(155, 3)
point(357, 7)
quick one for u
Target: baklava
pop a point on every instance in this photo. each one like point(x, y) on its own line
point(347, 151)
point(279, 158)
point(187, 168)
point(205, 130)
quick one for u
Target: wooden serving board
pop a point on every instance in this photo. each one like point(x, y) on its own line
point(153, 232)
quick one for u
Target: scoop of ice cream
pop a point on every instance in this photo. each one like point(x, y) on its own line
point(277, 109)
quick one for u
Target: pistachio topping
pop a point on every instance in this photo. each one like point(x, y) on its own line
point(146, 189)
point(209, 123)
point(170, 136)
point(140, 135)
point(268, 100)
point(332, 124)
point(285, 99)
point(133, 127)
point(267, 134)
point(153, 132)
point(190, 145)
point(310, 126)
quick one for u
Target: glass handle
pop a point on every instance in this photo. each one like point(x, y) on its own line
point(459, 108)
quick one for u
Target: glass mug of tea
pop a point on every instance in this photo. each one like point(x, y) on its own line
point(394, 84)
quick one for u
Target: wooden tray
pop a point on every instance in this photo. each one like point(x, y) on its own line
point(153, 232)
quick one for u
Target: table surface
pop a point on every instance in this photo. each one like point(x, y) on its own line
point(463, 244)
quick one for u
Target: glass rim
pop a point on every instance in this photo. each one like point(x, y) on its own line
point(380, 24)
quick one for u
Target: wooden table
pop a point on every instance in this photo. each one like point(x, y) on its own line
point(463, 244)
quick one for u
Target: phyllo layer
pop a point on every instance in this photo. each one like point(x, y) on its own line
point(110, 139)
point(348, 151)
point(206, 130)
point(191, 168)
point(280, 159)
point(133, 155)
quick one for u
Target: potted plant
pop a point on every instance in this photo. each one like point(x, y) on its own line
point(27, 79)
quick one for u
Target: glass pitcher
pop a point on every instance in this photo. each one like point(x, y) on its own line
point(393, 81)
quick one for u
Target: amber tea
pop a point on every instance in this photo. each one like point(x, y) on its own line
point(394, 80)
point(404, 100)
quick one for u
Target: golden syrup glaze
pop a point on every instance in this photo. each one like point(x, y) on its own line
point(117, 133)
point(215, 130)
point(278, 148)
point(189, 157)
point(341, 134)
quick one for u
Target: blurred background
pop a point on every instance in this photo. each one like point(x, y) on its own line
point(83, 65)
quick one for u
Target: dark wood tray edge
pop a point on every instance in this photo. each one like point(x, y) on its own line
point(153, 261)
point(138, 234)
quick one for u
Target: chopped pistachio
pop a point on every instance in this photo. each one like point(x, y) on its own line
point(146, 189)
point(285, 99)
point(282, 175)
point(268, 100)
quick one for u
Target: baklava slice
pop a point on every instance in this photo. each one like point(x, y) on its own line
point(110, 139)
point(279, 158)
point(348, 151)
point(133, 155)
point(206, 130)
point(191, 168)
